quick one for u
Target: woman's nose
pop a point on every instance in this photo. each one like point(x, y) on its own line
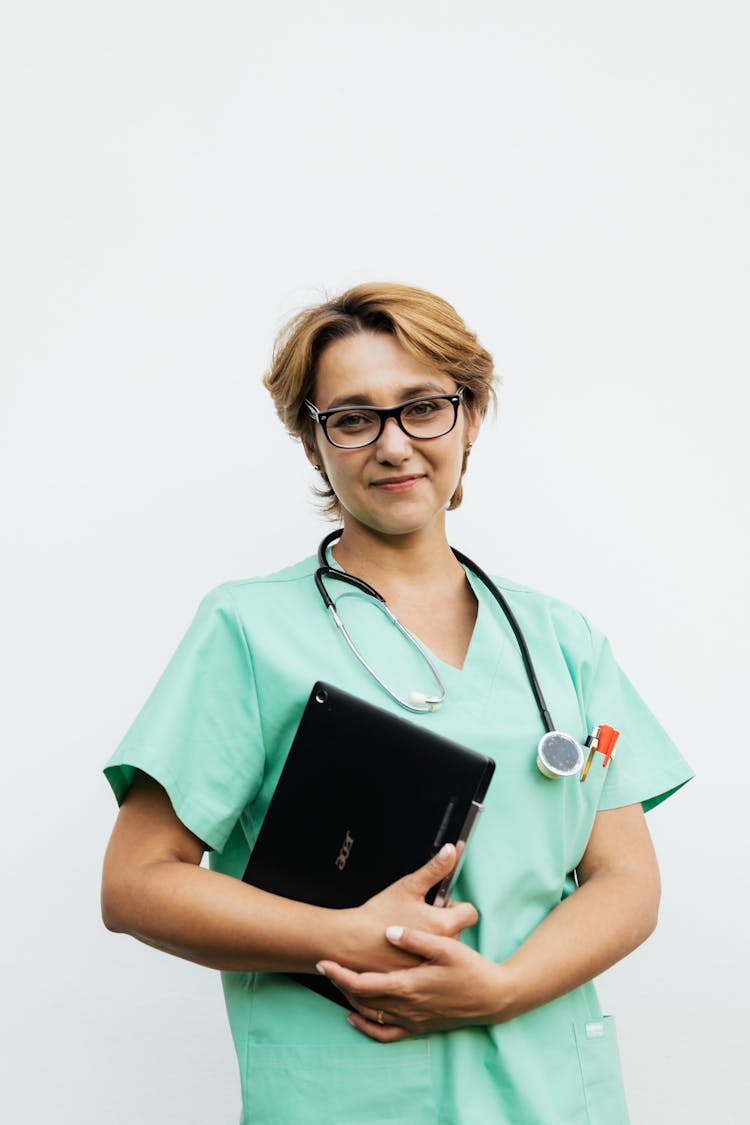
point(393, 443)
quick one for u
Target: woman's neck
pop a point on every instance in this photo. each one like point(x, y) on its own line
point(393, 563)
point(422, 583)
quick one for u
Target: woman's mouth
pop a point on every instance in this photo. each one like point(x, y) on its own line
point(397, 484)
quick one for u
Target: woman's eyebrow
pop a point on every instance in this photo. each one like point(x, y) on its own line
point(405, 395)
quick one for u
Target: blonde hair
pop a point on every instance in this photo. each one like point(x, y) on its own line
point(425, 325)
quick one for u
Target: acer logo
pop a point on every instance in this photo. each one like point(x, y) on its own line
point(343, 855)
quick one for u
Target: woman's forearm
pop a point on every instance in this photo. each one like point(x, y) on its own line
point(154, 889)
point(215, 920)
point(170, 902)
point(588, 932)
point(613, 910)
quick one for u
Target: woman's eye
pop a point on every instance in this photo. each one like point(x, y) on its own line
point(424, 407)
point(350, 421)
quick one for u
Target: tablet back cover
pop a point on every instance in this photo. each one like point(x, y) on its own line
point(364, 798)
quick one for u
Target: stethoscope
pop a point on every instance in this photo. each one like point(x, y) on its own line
point(558, 754)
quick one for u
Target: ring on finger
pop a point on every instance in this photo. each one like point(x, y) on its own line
point(379, 1017)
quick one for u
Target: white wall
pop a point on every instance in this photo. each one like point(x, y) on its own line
point(178, 179)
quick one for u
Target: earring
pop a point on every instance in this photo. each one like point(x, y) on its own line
point(317, 468)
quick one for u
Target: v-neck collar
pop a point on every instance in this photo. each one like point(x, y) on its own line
point(485, 647)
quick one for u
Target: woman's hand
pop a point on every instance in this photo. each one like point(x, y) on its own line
point(613, 910)
point(450, 986)
point(403, 902)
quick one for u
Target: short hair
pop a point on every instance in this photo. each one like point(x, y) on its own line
point(424, 324)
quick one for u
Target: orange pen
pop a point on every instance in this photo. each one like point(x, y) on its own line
point(601, 741)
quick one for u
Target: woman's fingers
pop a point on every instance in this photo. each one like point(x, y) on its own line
point(359, 985)
point(443, 987)
point(384, 1033)
point(363, 986)
point(427, 946)
point(432, 872)
point(461, 916)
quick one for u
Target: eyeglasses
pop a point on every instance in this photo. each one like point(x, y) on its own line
point(353, 427)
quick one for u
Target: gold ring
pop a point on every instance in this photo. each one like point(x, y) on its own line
point(379, 1017)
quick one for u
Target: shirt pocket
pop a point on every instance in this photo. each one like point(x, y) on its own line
point(599, 1060)
point(373, 1082)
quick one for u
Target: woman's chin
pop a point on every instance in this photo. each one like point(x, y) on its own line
point(396, 523)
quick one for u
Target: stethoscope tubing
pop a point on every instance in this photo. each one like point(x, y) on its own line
point(517, 632)
point(324, 570)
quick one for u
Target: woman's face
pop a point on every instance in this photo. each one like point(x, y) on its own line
point(399, 484)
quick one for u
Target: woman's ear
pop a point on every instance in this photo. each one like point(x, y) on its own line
point(473, 424)
point(314, 457)
point(312, 454)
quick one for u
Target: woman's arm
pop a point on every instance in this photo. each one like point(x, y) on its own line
point(154, 889)
point(613, 910)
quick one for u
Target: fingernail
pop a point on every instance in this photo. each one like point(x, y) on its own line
point(320, 969)
point(350, 1020)
point(394, 933)
point(445, 851)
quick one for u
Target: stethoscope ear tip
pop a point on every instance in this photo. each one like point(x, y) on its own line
point(419, 701)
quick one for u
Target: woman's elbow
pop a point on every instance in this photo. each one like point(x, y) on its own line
point(114, 899)
point(648, 899)
point(123, 887)
point(654, 911)
point(110, 918)
point(146, 833)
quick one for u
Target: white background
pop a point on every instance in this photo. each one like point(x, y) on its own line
point(177, 180)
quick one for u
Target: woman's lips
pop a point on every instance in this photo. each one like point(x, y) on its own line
point(396, 484)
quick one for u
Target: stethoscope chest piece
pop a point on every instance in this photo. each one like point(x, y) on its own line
point(558, 755)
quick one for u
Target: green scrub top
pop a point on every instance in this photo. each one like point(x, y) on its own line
point(215, 733)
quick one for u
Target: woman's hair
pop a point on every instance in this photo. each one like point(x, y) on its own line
point(425, 325)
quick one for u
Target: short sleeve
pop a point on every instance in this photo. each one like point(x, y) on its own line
point(647, 766)
point(199, 733)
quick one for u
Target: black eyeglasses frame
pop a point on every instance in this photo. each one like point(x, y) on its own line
point(384, 413)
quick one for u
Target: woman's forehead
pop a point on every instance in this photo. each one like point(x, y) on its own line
point(373, 365)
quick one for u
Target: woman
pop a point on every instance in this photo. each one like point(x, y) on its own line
point(560, 880)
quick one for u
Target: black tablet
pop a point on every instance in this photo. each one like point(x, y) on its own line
point(364, 798)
